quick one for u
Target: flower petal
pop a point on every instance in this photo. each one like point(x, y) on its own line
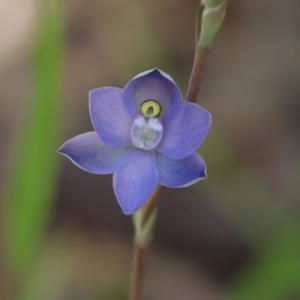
point(89, 153)
point(156, 85)
point(185, 127)
point(135, 179)
point(110, 116)
point(180, 173)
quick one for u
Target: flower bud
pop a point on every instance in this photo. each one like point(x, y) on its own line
point(212, 19)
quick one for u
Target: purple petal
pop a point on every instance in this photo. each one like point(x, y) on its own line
point(156, 85)
point(110, 116)
point(180, 173)
point(89, 153)
point(135, 179)
point(185, 127)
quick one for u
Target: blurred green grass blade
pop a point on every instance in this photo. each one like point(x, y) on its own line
point(277, 274)
point(54, 270)
point(31, 187)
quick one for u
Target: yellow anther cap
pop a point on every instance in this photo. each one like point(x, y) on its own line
point(150, 108)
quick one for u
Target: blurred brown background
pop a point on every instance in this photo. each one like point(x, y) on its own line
point(206, 234)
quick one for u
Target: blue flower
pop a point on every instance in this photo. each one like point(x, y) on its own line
point(145, 134)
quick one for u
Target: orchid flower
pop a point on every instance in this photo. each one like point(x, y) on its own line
point(145, 134)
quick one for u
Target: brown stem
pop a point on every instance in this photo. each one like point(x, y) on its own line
point(151, 204)
point(197, 74)
point(138, 269)
point(139, 257)
point(138, 272)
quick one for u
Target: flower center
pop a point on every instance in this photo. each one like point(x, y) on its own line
point(146, 132)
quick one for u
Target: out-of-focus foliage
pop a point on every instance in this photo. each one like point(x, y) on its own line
point(52, 272)
point(31, 187)
point(239, 194)
point(276, 274)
